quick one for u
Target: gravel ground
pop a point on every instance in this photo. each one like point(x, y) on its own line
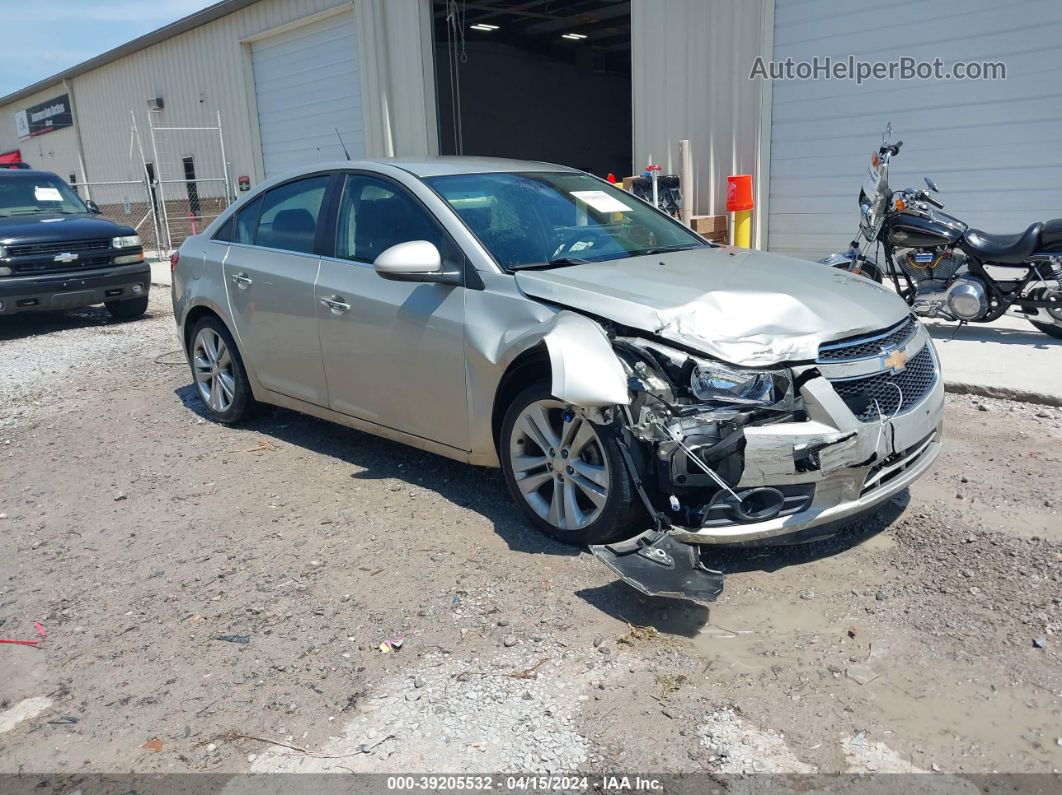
point(215, 599)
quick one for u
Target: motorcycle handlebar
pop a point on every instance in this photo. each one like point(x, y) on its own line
point(892, 150)
point(930, 200)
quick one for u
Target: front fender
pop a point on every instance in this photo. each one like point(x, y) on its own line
point(586, 371)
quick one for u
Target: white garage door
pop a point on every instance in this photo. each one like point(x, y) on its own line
point(306, 87)
point(993, 148)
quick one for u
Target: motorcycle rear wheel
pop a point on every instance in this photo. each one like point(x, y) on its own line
point(1051, 329)
point(1053, 317)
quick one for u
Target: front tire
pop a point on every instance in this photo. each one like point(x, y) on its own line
point(218, 372)
point(127, 310)
point(566, 473)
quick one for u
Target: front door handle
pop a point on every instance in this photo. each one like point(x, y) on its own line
point(336, 304)
point(241, 279)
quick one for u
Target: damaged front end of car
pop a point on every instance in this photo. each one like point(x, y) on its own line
point(721, 454)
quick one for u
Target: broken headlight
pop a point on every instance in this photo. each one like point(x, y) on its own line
point(713, 382)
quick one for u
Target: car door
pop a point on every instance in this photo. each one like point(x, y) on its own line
point(394, 352)
point(270, 272)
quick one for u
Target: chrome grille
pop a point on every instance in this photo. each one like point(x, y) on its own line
point(864, 347)
point(69, 247)
point(48, 265)
point(888, 394)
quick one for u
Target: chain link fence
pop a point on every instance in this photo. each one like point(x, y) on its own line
point(190, 178)
point(130, 203)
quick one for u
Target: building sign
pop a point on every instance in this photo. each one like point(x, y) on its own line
point(45, 117)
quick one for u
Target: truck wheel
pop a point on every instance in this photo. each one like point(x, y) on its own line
point(566, 474)
point(218, 372)
point(127, 310)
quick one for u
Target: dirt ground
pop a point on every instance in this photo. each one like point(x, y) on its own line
point(215, 599)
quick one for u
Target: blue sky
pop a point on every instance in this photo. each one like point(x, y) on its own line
point(42, 37)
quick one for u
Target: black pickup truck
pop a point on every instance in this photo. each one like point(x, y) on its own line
point(58, 252)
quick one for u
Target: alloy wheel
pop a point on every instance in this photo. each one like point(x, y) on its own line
point(559, 464)
point(212, 365)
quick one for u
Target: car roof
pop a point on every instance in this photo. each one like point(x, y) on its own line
point(432, 166)
point(447, 165)
point(26, 172)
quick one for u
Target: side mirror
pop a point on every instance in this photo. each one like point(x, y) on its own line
point(414, 261)
point(92, 206)
point(931, 185)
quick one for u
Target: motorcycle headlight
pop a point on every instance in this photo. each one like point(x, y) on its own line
point(126, 241)
point(714, 382)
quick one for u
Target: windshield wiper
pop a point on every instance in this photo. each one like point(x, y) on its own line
point(556, 262)
point(645, 252)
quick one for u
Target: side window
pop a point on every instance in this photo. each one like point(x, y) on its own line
point(289, 215)
point(224, 234)
point(246, 221)
point(375, 215)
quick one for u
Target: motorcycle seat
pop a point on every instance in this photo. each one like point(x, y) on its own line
point(1052, 232)
point(1002, 248)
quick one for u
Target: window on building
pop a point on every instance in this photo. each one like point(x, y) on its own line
point(191, 187)
point(149, 169)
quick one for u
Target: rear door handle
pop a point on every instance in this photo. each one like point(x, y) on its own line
point(242, 280)
point(336, 304)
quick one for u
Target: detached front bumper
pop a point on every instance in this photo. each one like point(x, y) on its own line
point(843, 461)
point(858, 464)
point(70, 290)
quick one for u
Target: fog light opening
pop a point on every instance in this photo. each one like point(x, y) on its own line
point(752, 505)
point(138, 289)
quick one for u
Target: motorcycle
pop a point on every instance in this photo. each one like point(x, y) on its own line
point(943, 263)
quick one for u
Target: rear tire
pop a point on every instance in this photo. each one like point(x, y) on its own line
point(567, 475)
point(218, 374)
point(1050, 329)
point(127, 310)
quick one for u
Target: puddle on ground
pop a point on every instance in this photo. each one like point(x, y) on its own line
point(923, 708)
point(751, 638)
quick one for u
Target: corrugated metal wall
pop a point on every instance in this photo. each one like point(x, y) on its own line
point(207, 69)
point(994, 148)
point(691, 63)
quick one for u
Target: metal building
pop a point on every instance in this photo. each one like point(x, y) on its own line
point(178, 119)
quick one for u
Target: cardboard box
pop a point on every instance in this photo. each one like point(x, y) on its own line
point(708, 224)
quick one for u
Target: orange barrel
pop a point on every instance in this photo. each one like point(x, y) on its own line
point(739, 202)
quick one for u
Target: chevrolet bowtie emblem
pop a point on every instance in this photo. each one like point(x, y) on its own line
point(65, 257)
point(896, 361)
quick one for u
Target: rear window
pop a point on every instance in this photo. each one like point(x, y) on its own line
point(247, 222)
point(289, 215)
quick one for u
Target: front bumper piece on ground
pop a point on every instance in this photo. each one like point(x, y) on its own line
point(658, 564)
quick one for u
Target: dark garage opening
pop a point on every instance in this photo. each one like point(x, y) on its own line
point(537, 80)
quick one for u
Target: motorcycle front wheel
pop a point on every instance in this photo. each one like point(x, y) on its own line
point(864, 268)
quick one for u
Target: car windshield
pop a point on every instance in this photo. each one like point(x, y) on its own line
point(541, 220)
point(31, 194)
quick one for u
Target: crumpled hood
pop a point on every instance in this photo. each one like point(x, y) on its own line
point(744, 307)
